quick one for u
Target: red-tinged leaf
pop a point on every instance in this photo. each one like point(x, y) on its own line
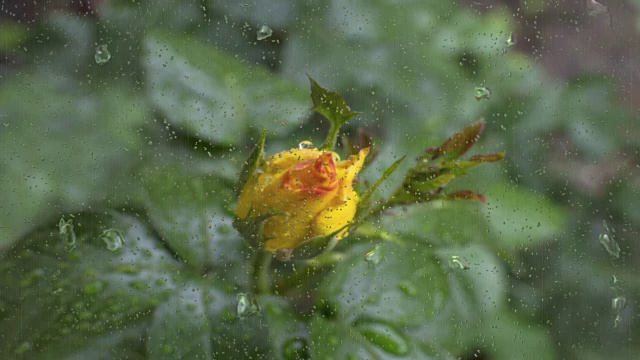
point(488, 158)
point(459, 143)
point(467, 195)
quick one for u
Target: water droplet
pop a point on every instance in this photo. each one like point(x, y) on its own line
point(246, 306)
point(114, 239)
point(456, 263)
point(102, 54)
point(264, 32)
point(374, 256)
point(619, 301)
point(296, 349)
point(67, 235)
point(383, 336)
point(306, 145)
point(609, 244)
point(482, 92)
point(408, 288)
point(594, 8)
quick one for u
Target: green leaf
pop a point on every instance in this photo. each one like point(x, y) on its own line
point(330, 104)
point(374, 340)
point(63, 145)
point(441, 224)
point(58, 302)
point(252, 228)
point(256, 158)
point(139, 299)
point(510, 337)
point(199, 321)
point(189, 210)
point(333, 107)
point(12, 34)
point(522, 218)
point(427, 180)
point(375, 309)
point(366, 197)
point(215, 96)
point(288, 335)
point(180, 328)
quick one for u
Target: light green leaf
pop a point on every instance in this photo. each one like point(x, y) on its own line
point(521, 218)
point(189, 209)
point(63, 146)
point(215, 96)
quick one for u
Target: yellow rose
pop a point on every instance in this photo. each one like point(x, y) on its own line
point(309, 191)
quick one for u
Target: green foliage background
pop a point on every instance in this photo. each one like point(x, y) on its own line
point(151, 143)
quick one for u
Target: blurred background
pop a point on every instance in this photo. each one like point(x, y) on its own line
point(93, 91)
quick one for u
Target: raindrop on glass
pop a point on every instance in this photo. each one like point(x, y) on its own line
point(113, 238)
point(102, 54)
point(609, 244)
point(246, 306)
point(306, 145)
point(67, 234)
point(264, 32)
point(482, 92)
point(619, 301)
point(594, 8)
point(374, 256)
point(384, 337)
point(456, 263)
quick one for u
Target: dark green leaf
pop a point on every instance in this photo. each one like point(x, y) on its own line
point(288, 336)
point(59, 302)
point(189, 210)
point(180, 328)
point(63, 145)
point(139, 297)
point(335, 339)
point(215, 96)
point(252, 228)
point(374, 309)
point(330, 105)
point(256, 158)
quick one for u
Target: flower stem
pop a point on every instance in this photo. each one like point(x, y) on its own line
point(332, 138)
point(261, 268)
